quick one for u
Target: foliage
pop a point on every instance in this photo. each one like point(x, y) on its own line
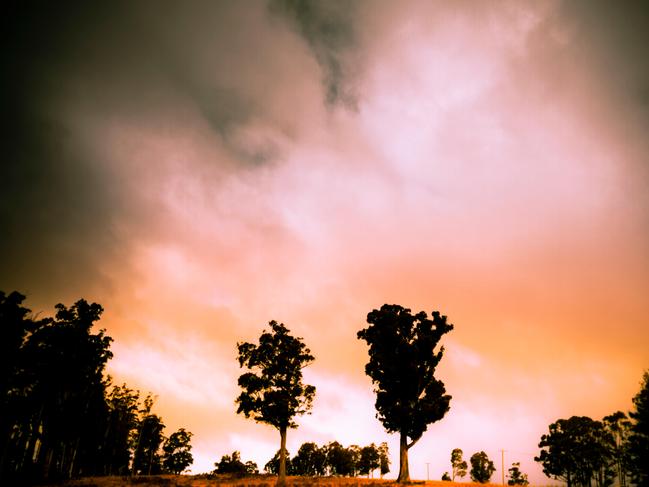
point(446, 477)
point(146, 457)
point(481, 467)
point(309, 460)
point(618, 426)
point(458, 465)
point(384, 459)
point(369, 459)
point(402, 368)
point(577, 450)
point(639, 436)
point(232, 464)
point(177, 452)
point(60, 416)
point(272, 390)
point(272, 466)
point(516, 477)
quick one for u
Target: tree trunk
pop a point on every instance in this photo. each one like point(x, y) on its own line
point(404, 474)
point(281, 481)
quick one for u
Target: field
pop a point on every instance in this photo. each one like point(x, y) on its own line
point(253, 481)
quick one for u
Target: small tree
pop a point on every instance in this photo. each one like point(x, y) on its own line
point(177, 455)
point(458, 465)
point(309, 460)
point(384, 459)
point(231, 464)
point(446, 477)
point(481, 467)
point(273, 392)
point(272, 466)
point(516, 477)
point(618, 426)
point(369, 460)
point(402, 367)
point(639, 437)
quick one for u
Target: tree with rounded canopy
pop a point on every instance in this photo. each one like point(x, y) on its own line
point(177, 452)
point(272, 391)
point(576, 450)
point(481, 467)
point(516, 477)
point(402, 368)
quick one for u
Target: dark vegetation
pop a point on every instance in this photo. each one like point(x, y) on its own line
point(61, 416)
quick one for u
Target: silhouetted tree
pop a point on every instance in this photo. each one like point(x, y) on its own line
point(122, 421)
point(232, 464)
point(446, 477)
point(309, 460)
point(369, 460)
point(577, 450)
point(273, 465)
point(273, 392)
point(177, 454)
point(384, 459)
point(516, 477)
point(638, 443)
point(458, 465)
point(402, 367)
point(340, 460)
point(618, 425)
point(146, 458)
point(481, 467)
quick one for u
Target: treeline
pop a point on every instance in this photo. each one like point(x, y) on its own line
point(60, 416)
point(331, 459)
point(582, 451)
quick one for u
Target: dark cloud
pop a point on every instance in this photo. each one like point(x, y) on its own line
point(328, 29)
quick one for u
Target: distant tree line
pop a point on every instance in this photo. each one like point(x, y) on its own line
point(60, 415)
point(332, 459)
point(581, 451)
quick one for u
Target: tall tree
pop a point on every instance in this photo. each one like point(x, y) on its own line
point(403, 358)
point(639, 437)
point(481, 467)
point(177, 454)
point(576, 451)
point(273, 391)
point(618, 425)
point(458, 465)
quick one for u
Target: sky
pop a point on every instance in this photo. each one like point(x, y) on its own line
point(201, 168)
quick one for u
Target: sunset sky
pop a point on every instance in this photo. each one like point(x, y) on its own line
point(201, 168)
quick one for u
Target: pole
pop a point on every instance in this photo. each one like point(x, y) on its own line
point(502, 464)
point(427, 476)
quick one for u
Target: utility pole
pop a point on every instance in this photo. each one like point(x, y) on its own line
point(502, 464)
point(427, 476)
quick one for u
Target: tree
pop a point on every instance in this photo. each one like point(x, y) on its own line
point(232, 464)
point(639, 436)
point(446, 477)
point(458, 465)
point(273, 465)
point(384, 459)
point(618, 425)
point(309, 460)
point(576, 450)
point(369, 460)
point(273, 392)
point(481, 467)
point(146, 457)
point(177, 455)
point(340, 460)
point(402, 368)
point(516, 477)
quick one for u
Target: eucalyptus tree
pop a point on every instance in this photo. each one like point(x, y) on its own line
point(403, 359)
point(272, 391)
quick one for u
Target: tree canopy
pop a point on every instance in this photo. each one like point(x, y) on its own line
point(639, 435)
point(403, 359)
point(482, 468)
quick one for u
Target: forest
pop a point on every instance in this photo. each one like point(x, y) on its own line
point(62, 417)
